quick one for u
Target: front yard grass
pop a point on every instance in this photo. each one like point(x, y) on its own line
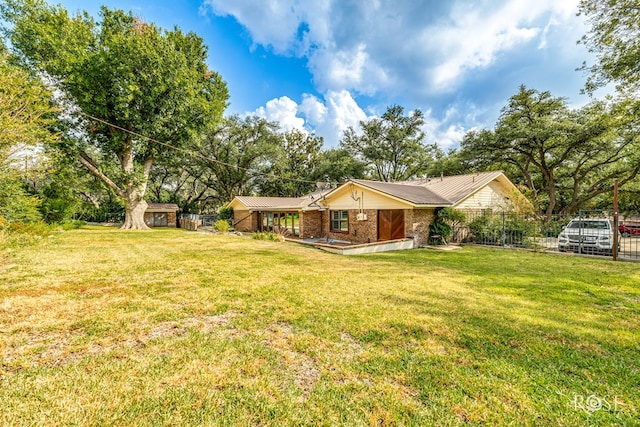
point(102, 327)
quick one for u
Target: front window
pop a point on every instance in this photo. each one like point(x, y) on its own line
point(340, 221)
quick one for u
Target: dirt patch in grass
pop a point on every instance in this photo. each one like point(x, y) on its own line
point(349, 347)
point(304, 369)
point(203, 324)
point(56, 348)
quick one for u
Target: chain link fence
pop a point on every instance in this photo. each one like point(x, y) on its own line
point(587, 232)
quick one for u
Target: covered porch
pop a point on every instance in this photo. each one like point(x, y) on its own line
point(281, 222)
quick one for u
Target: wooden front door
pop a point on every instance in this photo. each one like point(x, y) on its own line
point(390, 224)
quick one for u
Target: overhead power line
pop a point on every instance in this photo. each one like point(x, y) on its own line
point(196, 154)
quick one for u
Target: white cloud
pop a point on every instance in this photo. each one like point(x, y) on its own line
point(282, 110)
point(313, 109)
point(331, 116)
point(328, 118)
point(448, 131)
point(396, 46)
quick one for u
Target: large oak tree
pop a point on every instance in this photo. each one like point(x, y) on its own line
point(392, 146)
point(564, 157)
point(151, 87)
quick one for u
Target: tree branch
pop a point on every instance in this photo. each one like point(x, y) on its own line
point(88, 163)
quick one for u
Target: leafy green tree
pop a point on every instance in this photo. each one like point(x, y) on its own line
point(564, 157)
point(26, 114)
point(450, 163)
point(16, 205)
point(336, 165)
point(25, 108)
point(146, 84)
point(230, 157)
point(615, 39)
point(291, 168)
point(392, 146)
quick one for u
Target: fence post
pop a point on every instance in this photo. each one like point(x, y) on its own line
point(580, 236)
point(504, 237)
point(614, 251)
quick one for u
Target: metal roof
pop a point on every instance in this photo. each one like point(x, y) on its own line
point(438, 191)
point(271, 202)
point(459, 187)
point(282, 203)
point(162, 207)
point(415, 194)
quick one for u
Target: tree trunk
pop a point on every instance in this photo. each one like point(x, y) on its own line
point(133, 192)
point(134, 214)
point(134, 202)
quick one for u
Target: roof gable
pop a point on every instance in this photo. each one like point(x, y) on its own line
point(458, 187)
point(441, 191)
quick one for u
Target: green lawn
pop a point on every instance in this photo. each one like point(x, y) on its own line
point(102, 327)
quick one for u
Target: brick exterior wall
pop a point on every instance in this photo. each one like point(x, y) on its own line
point(317, 224)
point(245, 222)
point(310, 224)
point(417, 223)
point(359, 231)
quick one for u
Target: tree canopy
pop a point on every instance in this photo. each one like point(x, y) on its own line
point(615, 39)
point(26, 115)
point(145, 85)
point(26, 111)
point(564, 157)
point(231, 155)
point(392, 146)
point(292, 165)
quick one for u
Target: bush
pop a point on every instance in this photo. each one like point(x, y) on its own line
point(274, 237)
point(59, 203)
point(72, 224)
point(15, 204)
point(481, 228)
point(439, 233)
point(509, 228)
point(221, 225)
point(441, 229)
point(225, 213)
point(20, 234)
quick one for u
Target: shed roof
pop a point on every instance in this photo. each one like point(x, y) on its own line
point(271, 202)
point(162, 207)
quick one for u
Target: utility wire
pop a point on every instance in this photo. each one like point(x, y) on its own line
point(196, 154)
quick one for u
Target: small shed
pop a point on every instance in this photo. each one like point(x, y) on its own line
point(161, 215)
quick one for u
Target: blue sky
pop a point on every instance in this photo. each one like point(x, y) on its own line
point(323, 65)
